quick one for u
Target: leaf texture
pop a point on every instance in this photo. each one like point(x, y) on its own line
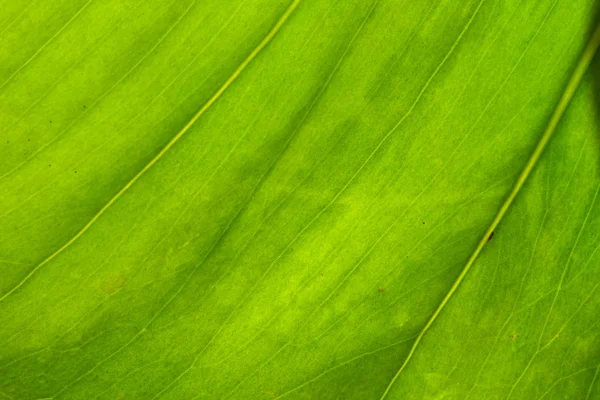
point(299, 199)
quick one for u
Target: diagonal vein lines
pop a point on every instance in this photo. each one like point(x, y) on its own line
point(16, 19)
point(380, 144)
point(69, 70)
point(542, 224)
point(343, 363)
point(308, 112)
point(593, 382)
point(568, 262)
point(436, 69)
point(30, 59)
point(266, 40)
point(377, 148)
point(540, 348)
point(262, 44)
point(566, 97)
point(98, 100)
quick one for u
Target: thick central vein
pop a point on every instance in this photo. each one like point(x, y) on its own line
point(573, 84)
point(165, 149)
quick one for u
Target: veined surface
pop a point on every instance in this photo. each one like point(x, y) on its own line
point(270, 199)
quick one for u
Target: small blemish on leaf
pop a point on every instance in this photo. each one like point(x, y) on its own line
point(113, 284)
point(380, 290)
point(491, 236)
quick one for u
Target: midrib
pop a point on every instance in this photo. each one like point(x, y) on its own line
point(573, 84)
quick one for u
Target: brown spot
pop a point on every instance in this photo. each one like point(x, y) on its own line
point(380, 290)
point(113, 284)
point(491, 236)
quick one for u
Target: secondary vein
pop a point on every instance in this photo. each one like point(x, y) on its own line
point(573, 84)
point(267, 39)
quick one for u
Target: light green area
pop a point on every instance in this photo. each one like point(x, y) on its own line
point(275, 199)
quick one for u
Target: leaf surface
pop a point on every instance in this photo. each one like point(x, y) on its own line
point(299, 199)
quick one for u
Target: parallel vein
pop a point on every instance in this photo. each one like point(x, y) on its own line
point(570, 89)
point(267, 39)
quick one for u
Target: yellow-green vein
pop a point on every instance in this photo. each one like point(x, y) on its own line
point(168, 146)
point(573, 84)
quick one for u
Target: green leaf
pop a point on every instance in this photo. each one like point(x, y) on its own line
point(286, 199)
